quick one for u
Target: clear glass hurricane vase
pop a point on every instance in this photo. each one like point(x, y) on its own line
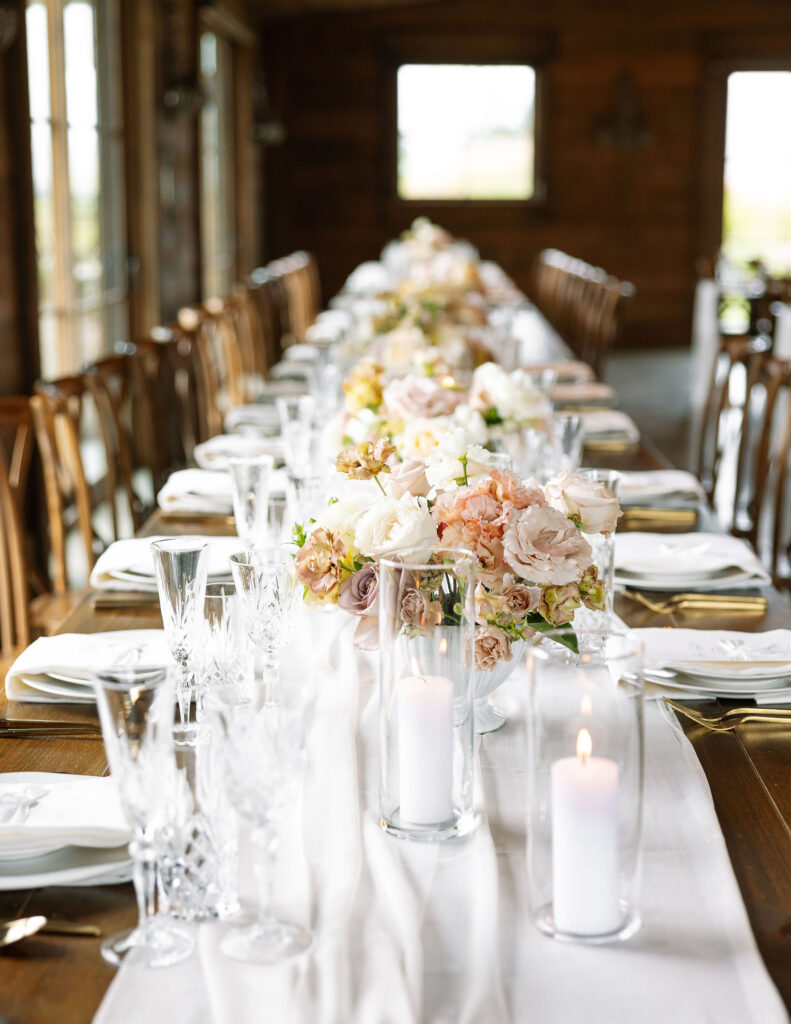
point(181, 565)
point(426, 673)
point(136, 707)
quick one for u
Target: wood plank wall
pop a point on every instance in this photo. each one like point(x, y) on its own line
point(645, 214)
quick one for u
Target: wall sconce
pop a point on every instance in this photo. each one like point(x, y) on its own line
point(9, 27)
point(267, 128)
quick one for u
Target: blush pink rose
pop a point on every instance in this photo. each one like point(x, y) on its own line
point(491, 645)
point(420, 397)
point(408, 477)
point(542, 546)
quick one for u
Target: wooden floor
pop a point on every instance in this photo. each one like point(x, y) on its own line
point(653, 386)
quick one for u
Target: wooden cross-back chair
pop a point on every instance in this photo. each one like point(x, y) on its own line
point(264, 292)
point(199, 355)
point(15, 417)
point(300, 297)
point(166, 421)
point(764, 515)
point(720, 461)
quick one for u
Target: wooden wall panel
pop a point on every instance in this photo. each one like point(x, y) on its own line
point(637, 213)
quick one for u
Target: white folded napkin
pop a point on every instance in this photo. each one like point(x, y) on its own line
point(578, 392)
point(567, 370)
point(215, 453)
point(129, 564)
point(60, 668)
point(682, 560)
point(722, 647)
point(301, 352)
point(639, 487)
point(263, 417)
point(610, 425)
point(71, 810)
point(206, 492)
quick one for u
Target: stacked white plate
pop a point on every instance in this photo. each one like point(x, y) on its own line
point(61, 830)
point(727, 663)
point(129, 564)
point(686, 561)
point(216, 452)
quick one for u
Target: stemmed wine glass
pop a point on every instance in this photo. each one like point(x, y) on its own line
point(136, 712)
point(264, 743)
point(267, 585)
point(251, 480)
point(181, 569)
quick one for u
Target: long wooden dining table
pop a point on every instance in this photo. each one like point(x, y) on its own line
point(52, 978)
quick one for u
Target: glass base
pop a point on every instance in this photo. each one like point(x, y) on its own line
point(486, 716)
point(159, 945)
point(267, 944)
point(545, 923)
point(456, 828)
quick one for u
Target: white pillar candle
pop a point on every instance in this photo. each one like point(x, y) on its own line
point(425, 749)
point(585, 842)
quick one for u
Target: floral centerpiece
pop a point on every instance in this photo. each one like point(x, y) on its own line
point(534, 566)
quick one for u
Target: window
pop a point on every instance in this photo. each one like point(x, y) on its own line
point(78, 179)
point(466, 131)
point(218, 205)
point(757, 196)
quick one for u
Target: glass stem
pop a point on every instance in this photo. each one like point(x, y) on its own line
point(144, 874)
point(265, 841)
point(184, 693)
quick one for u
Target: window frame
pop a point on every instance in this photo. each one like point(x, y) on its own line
point(461, 49)
point(66, 306)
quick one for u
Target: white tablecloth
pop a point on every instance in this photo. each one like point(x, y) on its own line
point(440, 933)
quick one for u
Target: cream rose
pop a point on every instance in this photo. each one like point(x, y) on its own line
point(408, 478)
point(421, 436)
point(340, 518)
point(590, 502)
point(393, 523)
point(514, 395)
point(544, 547)
point(491, 645)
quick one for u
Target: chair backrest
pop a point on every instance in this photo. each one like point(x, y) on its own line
point(300, 300)
point(16, 431)
point(68, 495)
point(265, 292)
point(765, 463)
point(199, 353)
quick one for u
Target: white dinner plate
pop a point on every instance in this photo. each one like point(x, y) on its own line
point(729, 578)
point(46, 684)
point(68, 865)
point(733, 671)
point(215, 454)
point(698, 686)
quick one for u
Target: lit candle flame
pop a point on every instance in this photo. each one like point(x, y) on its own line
point(586, 705)
point(584, 745)
point(443, 645)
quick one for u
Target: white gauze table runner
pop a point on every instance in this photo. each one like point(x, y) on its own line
point(433, 933)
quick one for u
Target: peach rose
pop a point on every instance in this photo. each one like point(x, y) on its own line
point(491, 645)
point(318, 562)
point(542, 546)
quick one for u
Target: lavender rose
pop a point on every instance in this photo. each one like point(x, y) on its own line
point(414, 608)
point(542, 546)
point(359, 593)
point(519, 599)
point(491, 645)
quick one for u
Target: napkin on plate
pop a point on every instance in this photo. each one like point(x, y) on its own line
point(60, 668)
point(206, 492)
point(720, 647)
point(215, 453)
point(639, 487)
point(581, 392)
point(71, 810)
point(610, 425)
point(568, 371)
point(676, 561)
point(129, 564)
point(261, 417)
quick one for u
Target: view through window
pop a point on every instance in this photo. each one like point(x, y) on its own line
point(218, 230)
point(757, 196)
point(466, 131)
point(78, 179)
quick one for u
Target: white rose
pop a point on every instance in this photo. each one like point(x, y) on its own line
point(421, 436)
point(408, 478)
point(393, 523)
point(473, 424)
point(515, 395)
point(362, 426)
point(340, 518)
point(590, 502)
point(444, 467)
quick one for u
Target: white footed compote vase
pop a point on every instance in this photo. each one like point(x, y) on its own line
point(488, 717)
point(426, 660)
point(264, 744)
point(136, 707)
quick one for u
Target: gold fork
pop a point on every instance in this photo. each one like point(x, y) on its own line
point(728, 720)
point(698, 602)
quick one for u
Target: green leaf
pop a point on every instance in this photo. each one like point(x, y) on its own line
point(333, 501)
point(492, 417)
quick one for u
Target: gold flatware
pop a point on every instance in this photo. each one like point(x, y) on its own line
point(693, 602)
point(20, 928)
point(728, 720)
point(48, 734)
point(61, 926)
point(668, 515)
